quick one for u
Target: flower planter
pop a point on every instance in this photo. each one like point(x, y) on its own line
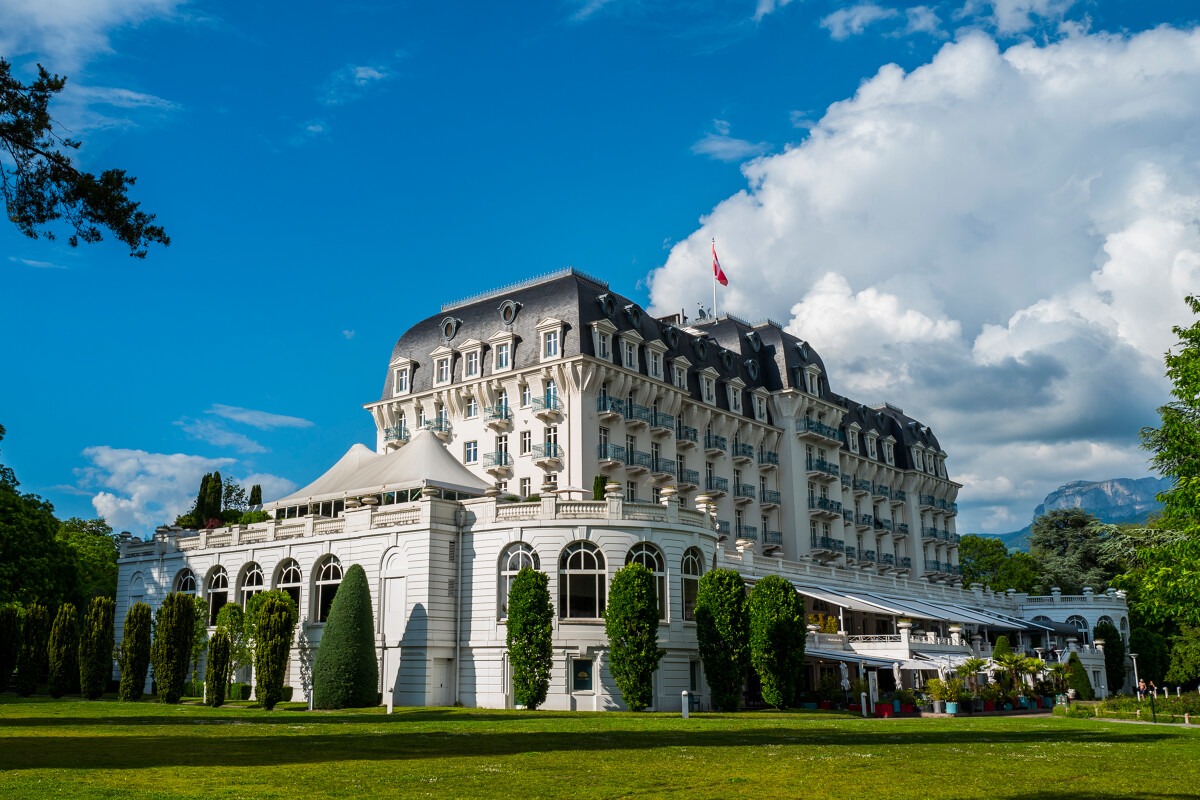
point(989, 705)
point(908, 708)
point(951, 707)
point(896, 706)
point(809, 706)
point(855, 707)
point(826, 705)
point(939, 706)
point(884, 710)
point(1008, 706)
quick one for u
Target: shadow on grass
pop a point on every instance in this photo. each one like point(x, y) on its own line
point(288, 717)
point(190, 750)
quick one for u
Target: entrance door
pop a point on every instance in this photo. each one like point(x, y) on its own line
point(443, 682)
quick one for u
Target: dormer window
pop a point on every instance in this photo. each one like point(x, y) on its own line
point(630, 359)
point(550, 344)
point(918, 460)
point(441, 369)
point(871, 452)
point(710, 389)
point(400, 380)
point(471, 364)
point(760, 407)
point(550, 339)
point(502, 344)
point(503, 356)
point(888, 453)
point(655, 364)
point(680, 377)
point(852, 438)
point(603, 349)
point(735, 396)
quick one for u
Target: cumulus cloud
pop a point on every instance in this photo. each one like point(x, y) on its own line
point(1010, 17)
point(263, 420)
point(720, 145)
point(765, 7)
point(923, 19)
point(847, 22)
point(999, 241)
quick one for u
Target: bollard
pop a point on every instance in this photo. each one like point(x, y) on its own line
point(686, 700)
point(1187, 718)
point(390, 698)
point(863, 699)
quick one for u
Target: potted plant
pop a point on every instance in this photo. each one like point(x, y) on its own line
point(990, 692)
point(907, 700)
point(829, 691)
point(951, 692)
point(884, 707)
point(936, 688)
point(858, 687)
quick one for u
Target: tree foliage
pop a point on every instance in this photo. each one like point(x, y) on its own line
point(1114, 654)
point(255, 495)
point(631, 623)
point(63, 652)
point(346, 673)
point(274, 625)
point(530, 637)
point(10, 642)
point(32, 665)
point(1175, 444)
point(134, 654)
point(96, 647)
point(1185, 657)
point(1077, 678)
point(231, 620)
point(1153, 652)
point(95, 551)
point(1002, 647)
point(216, 676)
point(1069, 547)
point(41, 184)
point(199, 635)
point(723, 631)
point(985, 560)
point(174, 627)
point(777, 636)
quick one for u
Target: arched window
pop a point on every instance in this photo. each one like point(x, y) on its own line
point(581, 582)
point(329, 577)
point(1082, 626)
point(692, 569)
point(185, 582)
point(252, 582)
point(137, 588)
point(515, 557)
point(218, 593)
point(651, 558)
point(289, 580)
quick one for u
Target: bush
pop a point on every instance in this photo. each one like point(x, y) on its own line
point(253, 517)
point(777, 636)
point(1114, 655)
point(1002, 648)
point(32, 663)
point(288, 691)
point(134, 655)
point(239, 691)
point(723, 631)
point(631, 623)
point(217, 674)
point(174, 626)
point(96, 647)
point(530, 637)
point(10, 643)
point(346, 672)
point(1077, 678)
point(64, 652)
point(274, 625)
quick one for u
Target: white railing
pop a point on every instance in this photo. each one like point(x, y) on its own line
point(518, 511)
point(290, 531)
point(406, 516)
point(583, 509)
point(890, 639)
point(330, 526)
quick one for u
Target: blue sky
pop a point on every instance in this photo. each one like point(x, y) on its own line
point(996, 232)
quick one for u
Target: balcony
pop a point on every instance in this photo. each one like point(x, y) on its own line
point(904, 563)
point(638, 460)
point(928, 501)
point(868, 556)
point(770, 497)
point(865, 521)
point(637, 416)
point(548, 455)
point(772, 537)
point(929, 533)
point(742, 452)
point(610, 455)
point(747, 533)
point(397, 433)
point(688, 478)
point(887, 560)
point(723, 527)
point(743, 492)
point(661, 423)
point(932, 567)
point(954, 539)
point(768, 459)
point(823, 468)
point(716, 486)
point(715, 444)
point(899, 496)
point(610, 407)
point(847, 515)
point(810, 426)
point(825, 506)
point(685, 435)
point(498, 464)
point(901, 529)
point(862, 486)
point(825, 544)
point(547, 408)
point(851, 554)
point(663, 468)
point(440, 426)
point(883, 525)
point(949, 508)
point(498, 418)
point(882, 491)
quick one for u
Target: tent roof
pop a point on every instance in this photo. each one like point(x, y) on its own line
point(424, 461)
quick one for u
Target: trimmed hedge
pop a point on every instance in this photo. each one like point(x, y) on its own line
point(63, 652)
point(134, 654)
point(1077, 678)
point(631, 623)
point(217, 674)
point(777, 637)
point(346, 673)
point(529, 637)
point(96, 648)
point(10, 643)
point(174, 625)
point(723, 631)
point(274, 625)
point(31, 660)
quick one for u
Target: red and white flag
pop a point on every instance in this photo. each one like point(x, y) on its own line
point(717, 272)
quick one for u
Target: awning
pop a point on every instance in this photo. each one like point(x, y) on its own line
point(838, 599)
point(902, 607)
point(936, 659)
point(987, 618)
point(850, 657)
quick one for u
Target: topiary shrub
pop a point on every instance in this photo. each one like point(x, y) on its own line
point(134, 655)
point(1002, 647)
point(10, 643)
point(1114, 655)
point(530, 637)
point(96, 648)
point(239, 691)
point(232, 620)
point(217, 674)
point(1077, 678)
point(631, 622)
point(346, 673)
point(31, 660)
point(174, 625)
point(723, 631)
point(274, 625)
point(598, 484)
point(777, 635)
point(63, 652)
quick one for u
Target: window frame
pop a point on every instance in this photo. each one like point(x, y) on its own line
point(581, 576)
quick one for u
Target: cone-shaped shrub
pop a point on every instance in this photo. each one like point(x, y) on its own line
point(631, 623)
point(777, 636)
point(1002, 647)
point(10, 643)
point(96, 647)
point(530, 637)
point(723, 633)
point(217, 674)
point(174, 625)
point(274, 625)
point(1077, 678)
point(134, 657)
point(64, 652)
point(31, 660)
point(346, 674)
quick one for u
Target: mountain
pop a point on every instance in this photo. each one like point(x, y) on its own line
point(1115, 500)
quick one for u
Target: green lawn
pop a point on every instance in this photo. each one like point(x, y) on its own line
point(80, 749)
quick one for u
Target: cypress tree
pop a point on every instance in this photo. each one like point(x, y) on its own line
point(274, 625)
point(64, 652)
point(255, 495)
point(31, 660)
point(530, 637)
point(1002, 647)
point(631, 623)
point(134, 656)
point(213, 503)
point(172, 647)
point(217, 675)
point(1114, 655)
point(777, 636)
point(598, 484)
point(10, 643)
point(723, 631)
point(96, 647)
point(1077, 678)
point(345, 673)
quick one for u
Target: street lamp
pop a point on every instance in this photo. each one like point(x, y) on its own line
point(1136, 682)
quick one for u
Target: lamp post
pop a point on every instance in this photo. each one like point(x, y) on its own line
point(1136, 682)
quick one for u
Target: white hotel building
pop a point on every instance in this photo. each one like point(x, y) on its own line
point(723, 445)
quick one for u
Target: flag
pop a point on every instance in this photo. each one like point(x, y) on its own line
point(717, 273)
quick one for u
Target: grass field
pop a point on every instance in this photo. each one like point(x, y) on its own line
point(80, 749)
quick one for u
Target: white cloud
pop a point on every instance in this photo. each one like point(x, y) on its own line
point(923, 19)
point(347, 334)
point(263, 420)
point(998, 241)
point(719, 145)
point(29, 262)
point(1010, 17)
point(766, 7)
point(352, 81)
point(847, 22)
point(207, 431)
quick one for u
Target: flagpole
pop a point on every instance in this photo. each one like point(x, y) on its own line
point(714, 279)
